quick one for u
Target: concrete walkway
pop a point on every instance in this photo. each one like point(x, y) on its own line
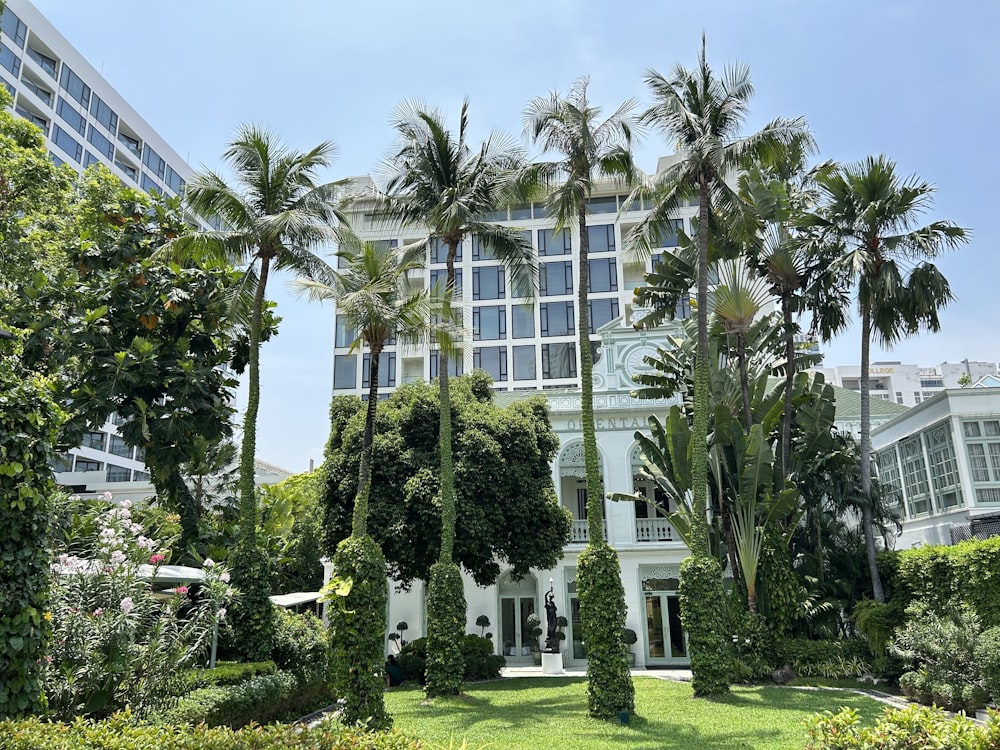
point(677, 675)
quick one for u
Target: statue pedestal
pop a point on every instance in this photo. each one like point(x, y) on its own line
point(552, 663)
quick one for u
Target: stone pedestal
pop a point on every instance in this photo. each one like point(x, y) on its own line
point(552, 663)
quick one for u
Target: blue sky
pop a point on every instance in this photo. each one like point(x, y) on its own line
point(915, 80)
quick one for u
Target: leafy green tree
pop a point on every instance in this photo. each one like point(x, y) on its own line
point(589, 149)
point(272, 216)
point(435, 179)
point(866, 233)
point(502, 477)
point(702, 115)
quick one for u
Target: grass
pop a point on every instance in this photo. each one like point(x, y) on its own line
point(552, 712)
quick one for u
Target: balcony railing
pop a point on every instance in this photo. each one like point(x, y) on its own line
point(581, 534)
point(654, 530)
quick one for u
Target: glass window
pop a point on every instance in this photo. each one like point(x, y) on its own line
point(439, 250)
point(67, 143)
point(13, 27)
point(103, 114)
point(524, 362)
point(523, 321)
point(386, 370)
point(520, 212)
point(118, 473)
point(601, 311)
point(119, 447)
point(154, 161)
point(345, 371)
point(73, 118)
point(140, 453)
point(33, 118)
point(45, 62)
point(943, 466)
point(668, 236)
point(62, 462)
point(84, 464)
point(492, 359)
point(555, 277)
point(174, 181)
point(439, 276)
point(73, 85)
point(130, 143)
point(344, 334)
point(44, 94)
point(149, 184)
point(140, 476)
point(488, 282)
point(102, 144)
point(557, 318)
point(603, 275)
point(93, 440)
point(888, 477)
point(127, 169)
point(551, 242)
point(605, 205)
point(558, 361)
point(602, 238)
point(481, 252)
point(10, 61)
point(455, 364)
point(489, 322)
point(540, 210)
point(915, 476)
point(9, 86)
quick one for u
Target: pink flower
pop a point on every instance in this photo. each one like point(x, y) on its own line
point(222, 613)
point(156, 559)
point(224, 577)
point(98, 612)
point(181, 590)
point(209, 562)
point(108, 496)
point(127, 605)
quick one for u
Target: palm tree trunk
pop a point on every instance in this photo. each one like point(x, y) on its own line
point(741, 361)
point(448, 501)
point(359, 522)
point(867, 524)
point(591, 459)
point(786, 419)
point(248, 490)
point(699, 428)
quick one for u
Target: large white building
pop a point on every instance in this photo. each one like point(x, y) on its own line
point(908, 384)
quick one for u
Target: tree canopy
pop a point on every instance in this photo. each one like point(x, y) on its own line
point(507, 507)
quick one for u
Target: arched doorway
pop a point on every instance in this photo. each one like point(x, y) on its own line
point(573, 487)
point(518, 599)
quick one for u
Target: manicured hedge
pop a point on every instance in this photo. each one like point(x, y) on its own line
point(901, 729)
point(119, 734)
point(968, 572)
point(260, 699)
point(226, 673)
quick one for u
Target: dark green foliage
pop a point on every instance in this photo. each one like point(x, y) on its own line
point(413, 660)
point(120, 734)
point(988, 659)
point(300, 645)
point(901, 729)
point(252, 614)
point(260, 699)
point(779, 585)
point(754, 647)
point(703, 607)
point(357, 633)
point(967, 572)
point(876, 622)
point(602, 611)
point(480, 661)
point(808, 657)
point(225, 673)
point(507, 509)
point(445, 630)
point(29, 421)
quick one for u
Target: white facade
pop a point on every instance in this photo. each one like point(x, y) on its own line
point(908, 384)
point(941, 459)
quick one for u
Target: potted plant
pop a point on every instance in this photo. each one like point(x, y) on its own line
point(629, 637)
point(534, 623)
point(482, 622)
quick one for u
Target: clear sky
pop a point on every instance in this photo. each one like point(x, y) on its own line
point(914, 79)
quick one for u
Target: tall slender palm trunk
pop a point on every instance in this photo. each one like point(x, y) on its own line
point(359, 521)
point(591, 458)
point(786, 418)
point(699, 428)
point(867, 522)
point(448, 501)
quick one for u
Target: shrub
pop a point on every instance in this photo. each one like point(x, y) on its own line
point(413, 660)
point(602, 612)
point(753, 648)
point(114, 644)
point(988, 659)
point(357, 632)
point(300, 645)
point(875, 622)
point(901, 729)
point(480, 661)
point(260, 699)
point(119, 733)
point(253, 613)
point(225, 673)
point(445, 628)
point(808, 657)
point(703, 607)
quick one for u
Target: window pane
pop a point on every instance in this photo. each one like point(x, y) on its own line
point(555, 278)
point(524, 362)
point(73, 118)
point(439, 276)
point(103, 113)
point(604, 205)
point(386, 370)
point(557, 318)
point(103, 145)
point(603, 275)
point(523, 321)
point(489, 322)
point(602, 238)
point(439, 250)
point(67, 143)
point(455, 364)
point(602, 311)
point(93, 440)
point(118, 447)
point(345, 371)
point(520, 212)
point(118, 473)
point(488, 282)
point(344, 335)
point(73, 85)
point(492, 359)
point(559, 360)
point(552, 243)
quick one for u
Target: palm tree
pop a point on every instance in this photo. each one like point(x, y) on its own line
point(435, 179)
point(703, 116)
point(272, 216)
point(866, 236)
point(590, 150)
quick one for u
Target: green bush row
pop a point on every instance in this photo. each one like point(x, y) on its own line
point(477, 652)
point(260, 699)
point(119, 733)
point(968, 572)
point(901, 729)
point(225, 673)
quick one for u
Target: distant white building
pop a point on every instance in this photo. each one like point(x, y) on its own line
point(905, 383)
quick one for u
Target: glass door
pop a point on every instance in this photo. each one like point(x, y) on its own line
point(514, 631)
point(666, 642)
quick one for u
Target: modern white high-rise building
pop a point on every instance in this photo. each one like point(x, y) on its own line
point(909, 384)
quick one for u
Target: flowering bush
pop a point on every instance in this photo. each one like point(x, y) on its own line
point(116, 643)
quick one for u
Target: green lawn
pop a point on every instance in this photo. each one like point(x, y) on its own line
point(551, 713)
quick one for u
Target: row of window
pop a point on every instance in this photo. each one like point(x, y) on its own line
point(606, 204)
point(113, 444)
